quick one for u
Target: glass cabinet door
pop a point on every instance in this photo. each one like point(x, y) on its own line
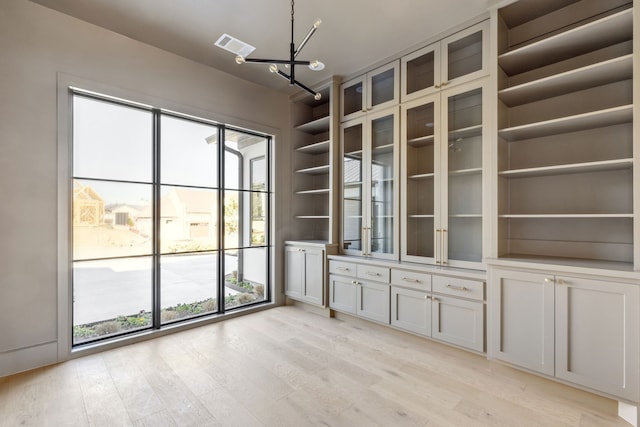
point(463, 157)
point(465, 55)
point(352, 186)
point(381, 227)
point(421, 72)
point(420, 122)
point(352, 101)
point(383, 86)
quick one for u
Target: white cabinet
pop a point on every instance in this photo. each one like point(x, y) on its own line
point(370, 185)
point(443, 161)
point(566, 133)
point(585, 331)
point(305, 271)
point(459, 58)
point(373, 91)
point(411, 310)
point(313, 159)
point(362, 290)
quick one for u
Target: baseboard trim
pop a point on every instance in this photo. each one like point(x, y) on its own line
point(24, 359)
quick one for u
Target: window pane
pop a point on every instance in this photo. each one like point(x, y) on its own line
point(189, 286)
point(111, 297)
point(233, 229)
point(188, 219)
point(111, 141)
point(240, 151)
point(111, 219)
point(245, 276)
point(189, 152)
point(258, 219)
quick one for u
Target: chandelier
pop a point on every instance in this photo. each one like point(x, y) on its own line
point(290, 63)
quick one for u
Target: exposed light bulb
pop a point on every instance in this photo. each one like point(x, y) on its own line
point(317, 96)
point(317, 23)
point(273, 68)
point(240, 59)
point(316, 65)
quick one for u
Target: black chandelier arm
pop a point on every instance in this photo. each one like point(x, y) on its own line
point(297, 83)
point(276, 61)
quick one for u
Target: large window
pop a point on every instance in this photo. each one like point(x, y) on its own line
point(170, 218)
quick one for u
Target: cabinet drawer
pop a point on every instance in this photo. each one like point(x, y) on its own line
point(370, 272)
point(459, 287)
point(342, 268)
point(411, 279)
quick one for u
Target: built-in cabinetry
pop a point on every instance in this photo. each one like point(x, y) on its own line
point(456, 59)
point(314, 156)
point(370, 156)
point(306, 271)
point(581, 329)
point(440, 306)
point(443, 161)
point(375, 90)
point(565, 132)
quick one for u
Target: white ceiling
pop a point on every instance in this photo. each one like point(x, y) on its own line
point(354, 33)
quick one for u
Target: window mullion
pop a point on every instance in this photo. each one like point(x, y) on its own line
point(155, 203)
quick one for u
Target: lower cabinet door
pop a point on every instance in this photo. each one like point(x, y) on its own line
point(458, 322)
point(522, 325)
point(411, 310)
point(597, 335)
point(373, 301)
point(342, 294)
point(313, 289)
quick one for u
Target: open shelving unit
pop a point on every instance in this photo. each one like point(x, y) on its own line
point(565, 133)
point(313, 159)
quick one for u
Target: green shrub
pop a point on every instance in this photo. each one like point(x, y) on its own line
point(105, 328)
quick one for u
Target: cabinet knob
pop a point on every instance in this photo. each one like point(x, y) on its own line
point(434, 299)
point(548, 280)
point(561, 282)
point(444, 83)
point(436, 86)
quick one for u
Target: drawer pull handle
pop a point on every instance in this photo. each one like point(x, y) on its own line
point(408, 279)
point(371, 273)
point(457, 288)
point(342, 268)
point(548, 280)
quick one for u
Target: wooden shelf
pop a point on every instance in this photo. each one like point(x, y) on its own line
point(312, 216)
point(595, 119)
point(316, 170)
point(315, 126)
point(465, 216)
point(607, 165)
point(468, 132)
point(316, 148)
point(613, 70)
point(317, 191)
point(464, 172)
point(421, 141)
point(421, 216)
point(383, 149)
point(594, 35)
point(421, 176)
point(564, 216)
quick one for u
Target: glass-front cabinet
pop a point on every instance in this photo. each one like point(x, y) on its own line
point(442, 182)
point(376, 90)
point(370, 185)
point(456, 59)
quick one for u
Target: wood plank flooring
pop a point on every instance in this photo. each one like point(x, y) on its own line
point(291, 367)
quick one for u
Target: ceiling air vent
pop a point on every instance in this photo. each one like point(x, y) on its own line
point(234, 45)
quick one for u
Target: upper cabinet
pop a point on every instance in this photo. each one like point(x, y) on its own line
point(565, 132)
point(313, 160)
point(443, 158)
point(373, 91)
point(457, 59)
point(370, 185)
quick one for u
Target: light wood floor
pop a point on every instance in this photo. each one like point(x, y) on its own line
point(290, 367)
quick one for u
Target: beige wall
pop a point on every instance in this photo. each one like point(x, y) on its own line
point(37, 45)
